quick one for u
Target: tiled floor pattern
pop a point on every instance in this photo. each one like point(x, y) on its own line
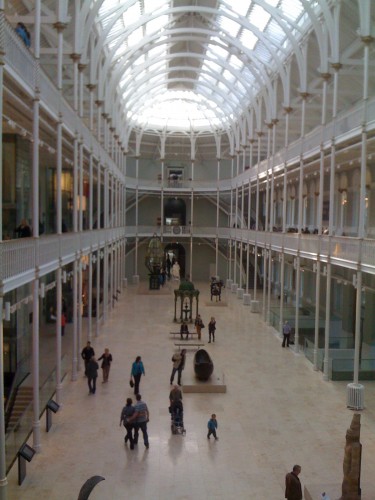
point(277, 411)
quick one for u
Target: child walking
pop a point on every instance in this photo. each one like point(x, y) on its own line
point(212, 426)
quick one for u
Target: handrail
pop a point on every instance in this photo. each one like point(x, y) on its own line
point(18, 434)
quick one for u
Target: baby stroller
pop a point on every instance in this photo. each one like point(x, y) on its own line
point(177, 418)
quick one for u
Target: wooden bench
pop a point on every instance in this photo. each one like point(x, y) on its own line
point(179, 334)
point(185, 345)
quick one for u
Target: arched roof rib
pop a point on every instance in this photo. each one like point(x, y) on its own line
point(263, 71)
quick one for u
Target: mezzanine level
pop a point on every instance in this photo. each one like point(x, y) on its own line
point(21, 67)
point(24, 259)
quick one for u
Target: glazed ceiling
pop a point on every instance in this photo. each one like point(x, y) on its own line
point(196, 64)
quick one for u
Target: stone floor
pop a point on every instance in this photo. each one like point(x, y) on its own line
point(277, 411)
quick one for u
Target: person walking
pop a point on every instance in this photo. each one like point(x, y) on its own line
point(63, 323)
point(178, 360)
point(286, 334)
point(212, 426)
point(184, 330)
point(87, 353)
point(199, 325)
point(211, 329)
point(175, 396)
point(92, 374)
point(106, 358)
point(140, 418)
point(127, 412)
point(293, 488)
point(136, 373)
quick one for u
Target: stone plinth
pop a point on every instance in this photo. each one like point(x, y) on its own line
point(246, 299)
point(214, 384)
point(254, 306)
point(240, 292)
point(135, 279)
point(234, 287)
point(314, 491)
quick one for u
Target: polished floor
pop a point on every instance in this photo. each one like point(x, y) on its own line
point(277, 411)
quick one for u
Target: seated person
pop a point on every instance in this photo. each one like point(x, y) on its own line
point(184, 330)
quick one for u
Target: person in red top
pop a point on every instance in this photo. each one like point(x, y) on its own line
point(293, 489)
point(63, 323)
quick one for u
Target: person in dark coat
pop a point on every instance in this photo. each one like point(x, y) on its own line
point(126, 413)
point(23, 230)
point(92, 374)
point(293, 488)
point(211, 329)
point(184, 330)
point(87, 353)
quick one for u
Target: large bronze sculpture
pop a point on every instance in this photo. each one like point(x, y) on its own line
point(351, 484)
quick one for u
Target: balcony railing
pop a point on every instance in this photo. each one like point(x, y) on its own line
point(21, 259)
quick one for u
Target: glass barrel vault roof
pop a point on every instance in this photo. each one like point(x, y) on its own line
point(188, 65)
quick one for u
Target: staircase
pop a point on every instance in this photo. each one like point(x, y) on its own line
point(22, 400)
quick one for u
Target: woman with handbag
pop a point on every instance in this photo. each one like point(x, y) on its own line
point(136, 372)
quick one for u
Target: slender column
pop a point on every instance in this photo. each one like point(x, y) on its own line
point(282, 285)
point(35, 368)
point(3, 479)
point(191, 230)
point(298, 291)
point(59, 26)
point(265, 260)
point(327, 323)
point(35, 167)
point(80, 186)
point(89, 312)
point(217, 220)
point(255, 270)
point(235, 231)
point(362, 194)
point(75, 364)
point(269, 282)
point(357, 340)
point(79, 337)
point(317, 315)
point(3, 476)
point(58, 334)
point(97, 293)
point(75, 184)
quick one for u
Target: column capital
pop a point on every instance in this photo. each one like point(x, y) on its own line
point(91, 86)
point(59, 26)
point(287, 109)
point(325, 76)
point(75, 57)
point(367, 39)
point(336, 66)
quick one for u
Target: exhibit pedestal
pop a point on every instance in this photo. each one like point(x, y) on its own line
point(333, 491)
point(216, 383)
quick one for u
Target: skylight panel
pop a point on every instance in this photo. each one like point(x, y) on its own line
point(248, 39)
point(276, 33)
point(135, 37)
point(157, 52)
point(132, 14)
point(291, 8)
point(211, 66)
point(228, 25)
point(235, 62)
point(217, 52)
point(240, 7)
point(151, 5)
point(156, 25)
point(230, 77)
point(259, 17)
